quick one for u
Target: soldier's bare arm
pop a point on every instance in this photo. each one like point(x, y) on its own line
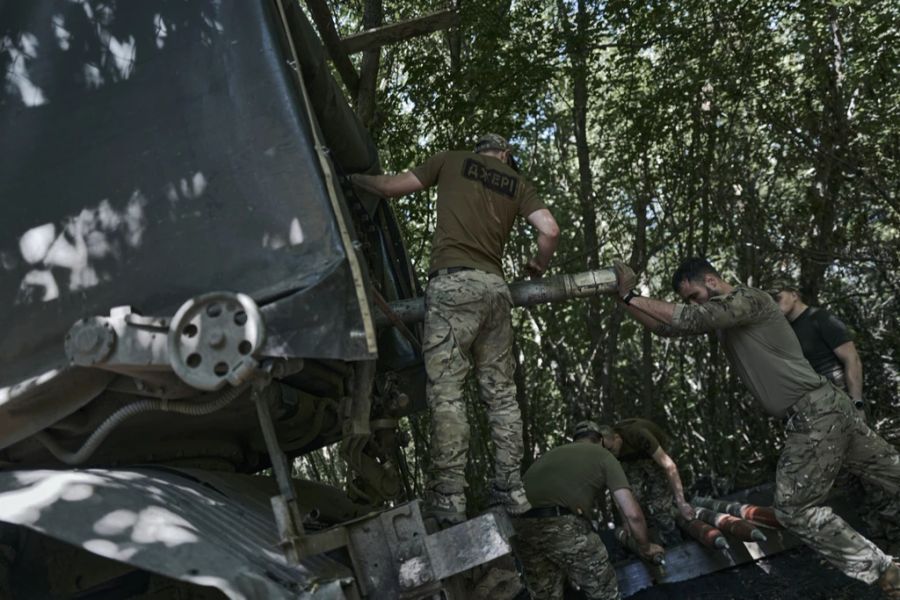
point(633, 518)
point(547, 241)
point(853, 370)
point(671, 470)
point(388, 186)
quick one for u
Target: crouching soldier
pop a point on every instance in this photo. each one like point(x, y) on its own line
point(640, 445)
point(555, 541)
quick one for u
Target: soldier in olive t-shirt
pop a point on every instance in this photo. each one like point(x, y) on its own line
point(554, 540)
point(640, 445)
point(467, 320)
point(574, 476)
point(640, 439)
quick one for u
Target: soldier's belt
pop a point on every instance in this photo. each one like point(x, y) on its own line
point(448, 271)
point(808, 399)
point(543, 512)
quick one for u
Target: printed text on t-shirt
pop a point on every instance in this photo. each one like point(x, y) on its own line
point(493, 180)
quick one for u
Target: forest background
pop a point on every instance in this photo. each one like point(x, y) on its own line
point(762, 134)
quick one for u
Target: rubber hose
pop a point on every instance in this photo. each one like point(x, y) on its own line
point(117, 418)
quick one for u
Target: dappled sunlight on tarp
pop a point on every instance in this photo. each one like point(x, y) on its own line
point(91, 33)
point(153, 524)
point(167, 522)
point(94, 234)
point(25, 505)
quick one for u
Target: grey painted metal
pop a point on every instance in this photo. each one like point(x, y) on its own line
point(213, 339)
point(284, 505)
point(469, 544)
point(173, 523)
point(690, 560)
point(395, 557)
point(524, 293)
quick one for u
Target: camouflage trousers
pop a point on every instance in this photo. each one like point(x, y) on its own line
point(651, 489)
point(554, 550)
point(468, 324)
point(879, 509)
point(824, 434)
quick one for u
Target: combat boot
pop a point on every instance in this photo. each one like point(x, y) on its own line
point(890, 582)
point(512, 499)
point(445, 504)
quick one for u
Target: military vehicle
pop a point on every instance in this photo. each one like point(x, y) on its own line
point(192, 296)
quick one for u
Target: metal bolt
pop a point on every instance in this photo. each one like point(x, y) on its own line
point(217, 339)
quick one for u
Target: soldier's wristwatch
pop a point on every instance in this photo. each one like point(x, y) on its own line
point(629, 296)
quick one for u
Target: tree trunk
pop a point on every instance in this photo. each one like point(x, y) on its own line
point(373, 16)
point(577, 48)
point(832, 131)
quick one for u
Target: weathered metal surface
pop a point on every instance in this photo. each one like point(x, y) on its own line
point(171, 523)
point(395, 557)
point(690, 560)
point(524, 293)
point(468, 544)
point(388, 553)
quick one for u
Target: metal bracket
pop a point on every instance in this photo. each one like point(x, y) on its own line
point(394, 556)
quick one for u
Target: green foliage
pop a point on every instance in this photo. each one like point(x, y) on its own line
point(763, 135)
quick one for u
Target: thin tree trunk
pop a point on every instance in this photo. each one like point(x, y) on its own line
point(832, 131)
point(373, 16)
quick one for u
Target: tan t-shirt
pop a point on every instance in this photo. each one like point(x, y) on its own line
point(479, 197)
point(759, 343)
point(574, 476)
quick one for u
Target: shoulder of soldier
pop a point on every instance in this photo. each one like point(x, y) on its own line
point(826, 319)
point(820, 314)
point(746, 294)
point(453, 155)
point(605, 455)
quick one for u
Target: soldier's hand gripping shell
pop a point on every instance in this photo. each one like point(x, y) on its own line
point(686, 510)
point(651, 551)
point(625, 278)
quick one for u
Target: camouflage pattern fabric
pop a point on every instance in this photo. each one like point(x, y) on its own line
point(468, 324)
point(554, 550)
point(824, 434)
point(651, 489)
point(879, 509)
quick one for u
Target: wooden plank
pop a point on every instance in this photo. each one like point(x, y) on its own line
point(395, 32)
point(325, 24)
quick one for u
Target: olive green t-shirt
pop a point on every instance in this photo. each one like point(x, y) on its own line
point(640, 439)
point(759, 344)
point(479, 197)
point(574, 476)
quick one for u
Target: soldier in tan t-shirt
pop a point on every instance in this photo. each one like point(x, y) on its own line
point(467, 320)
point(823, 430)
